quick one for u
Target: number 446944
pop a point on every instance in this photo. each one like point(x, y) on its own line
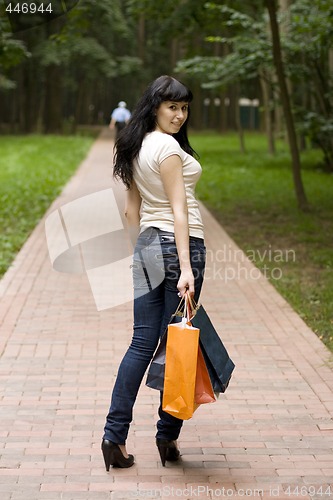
point(28, 8)
point(302, 491)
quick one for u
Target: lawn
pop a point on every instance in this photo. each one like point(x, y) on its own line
point(33, 170)
point(252, 196)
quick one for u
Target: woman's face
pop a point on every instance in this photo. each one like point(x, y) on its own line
point(170, 116)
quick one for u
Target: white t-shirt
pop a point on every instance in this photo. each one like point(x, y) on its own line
point(156, 210)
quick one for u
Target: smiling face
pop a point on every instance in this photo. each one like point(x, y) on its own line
point(170, 116)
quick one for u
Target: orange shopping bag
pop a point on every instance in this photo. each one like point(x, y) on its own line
point(180, 369)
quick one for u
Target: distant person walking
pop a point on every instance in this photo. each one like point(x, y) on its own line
point(119, 117)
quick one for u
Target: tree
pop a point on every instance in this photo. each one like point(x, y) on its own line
point(279, 66)
point(180, 33)
point(308, 46)
point(12, 52)
point(253, 54)
point(74, 59)
point(246, 58)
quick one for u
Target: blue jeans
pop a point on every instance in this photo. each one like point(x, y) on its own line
point(155, 276)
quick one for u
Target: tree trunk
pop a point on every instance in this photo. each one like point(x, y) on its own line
point(40, 111)
point(222, 120)
point(265, 89)
point(14, 105)
point(232, 106)
point(239, 123)
point(330, 69)
point(293, 145)
point(196, 120)
point(53, 100)
point(21, 97)
point(268, 98)
point(142, 44)
point(53, 108)
point(279, 125)
point(33, 90)
point(173, 52)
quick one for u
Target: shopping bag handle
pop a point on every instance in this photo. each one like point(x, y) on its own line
point(192, 307)
point(187, 310)
point(179, 310)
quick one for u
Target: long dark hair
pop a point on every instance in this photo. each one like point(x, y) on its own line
point(143, 121)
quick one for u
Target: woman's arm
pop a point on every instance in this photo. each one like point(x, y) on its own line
point(132, 211)
point(171, 170)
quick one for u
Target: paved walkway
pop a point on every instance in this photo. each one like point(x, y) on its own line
point(270, 435)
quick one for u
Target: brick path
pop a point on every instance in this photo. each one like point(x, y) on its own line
point(272, 432)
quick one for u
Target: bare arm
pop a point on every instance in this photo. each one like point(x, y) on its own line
point(132, 211)
point(172, 177)
point(112, 123)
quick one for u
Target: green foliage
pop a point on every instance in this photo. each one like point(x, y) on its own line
point(320, 131)
point(175, 19)
point(252, 196)
point(75, 60)
point(182, 24)
point(307, 37)
point(97, 44)
point(248, 49)
point(310, 27)
point(88, 40)
point(11, 53)
point(33, 170)
point(308, 41)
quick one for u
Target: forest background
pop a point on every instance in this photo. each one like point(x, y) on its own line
point(74, 69)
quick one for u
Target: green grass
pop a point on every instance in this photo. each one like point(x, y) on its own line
point(33, 170)
point(252, 195)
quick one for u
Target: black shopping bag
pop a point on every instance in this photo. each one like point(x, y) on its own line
point(219, 364)
point(155, 376)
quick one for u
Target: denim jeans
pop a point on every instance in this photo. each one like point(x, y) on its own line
point(155, 276)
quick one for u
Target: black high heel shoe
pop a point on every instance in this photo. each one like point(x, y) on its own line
point(168, 450)
point(113, 456)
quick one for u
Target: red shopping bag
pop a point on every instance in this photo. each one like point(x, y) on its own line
point(203, 387)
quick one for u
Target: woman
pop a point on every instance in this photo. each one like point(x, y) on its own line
point(156, 163)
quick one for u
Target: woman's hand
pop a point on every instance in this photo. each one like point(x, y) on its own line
point(186, 283)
